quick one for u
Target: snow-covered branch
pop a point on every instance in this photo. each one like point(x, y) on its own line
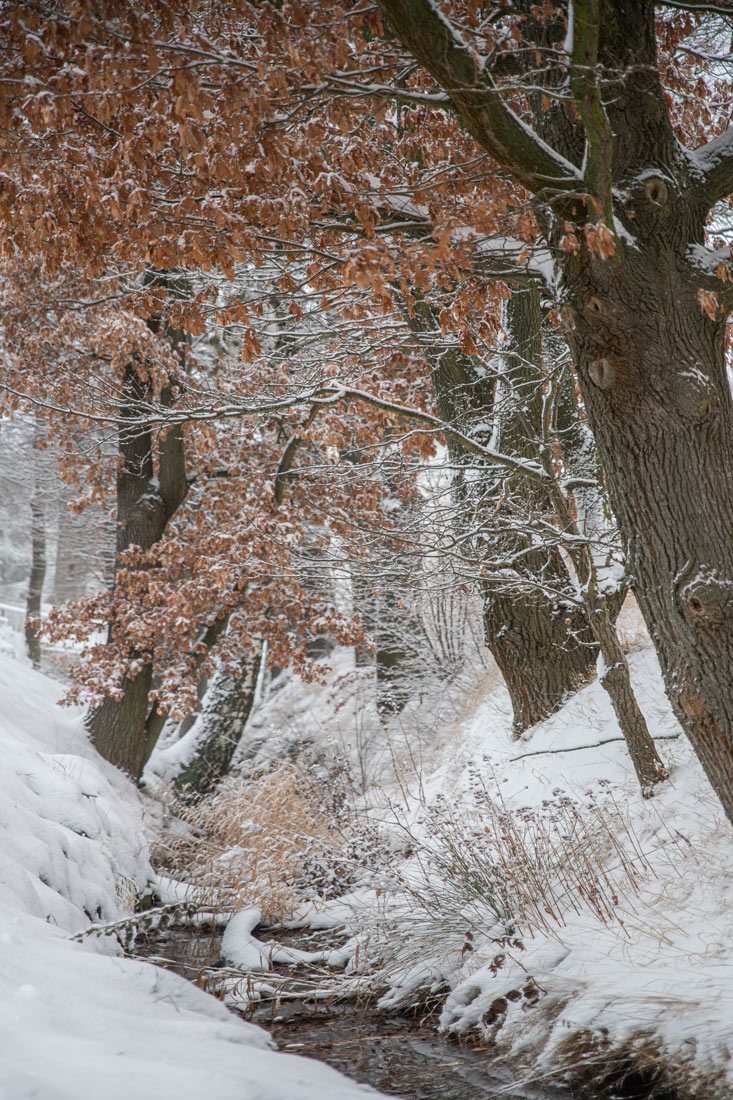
point(442, 51)
point(714, 161)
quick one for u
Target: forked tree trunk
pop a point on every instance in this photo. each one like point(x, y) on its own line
point(623, 207)
point(226, 708)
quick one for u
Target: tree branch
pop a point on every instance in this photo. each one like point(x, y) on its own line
point(443, 53)
point(592, 745)
point(698, 6)
point(522, 465)
point(288, 457)
point(587, 95)
point(715, 162)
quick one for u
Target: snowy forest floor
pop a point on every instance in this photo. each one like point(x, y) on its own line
point(526, 883)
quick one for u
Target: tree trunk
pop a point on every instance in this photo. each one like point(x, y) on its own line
point(545, 653)
point(664, 425)
point(145, 504)
point(71, 569)
point(382, 601)
point(38, 572)
point(616, 680)
point(227, 706)
point(544, 648)
point(623, 206)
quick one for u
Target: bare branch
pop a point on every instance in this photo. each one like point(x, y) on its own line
point(725, 9)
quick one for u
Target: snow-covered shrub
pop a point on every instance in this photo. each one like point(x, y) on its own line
point(486, 873)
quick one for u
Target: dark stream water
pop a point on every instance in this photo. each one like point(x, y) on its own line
point(400, 1054)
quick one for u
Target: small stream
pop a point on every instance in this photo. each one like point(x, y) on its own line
point(401, 1054)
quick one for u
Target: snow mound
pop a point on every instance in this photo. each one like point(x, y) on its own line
point(76, 1019)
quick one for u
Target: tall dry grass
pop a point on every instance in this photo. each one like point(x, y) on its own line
point(269, 842)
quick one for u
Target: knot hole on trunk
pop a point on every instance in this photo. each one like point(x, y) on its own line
point(656, 190)
point(706, 600)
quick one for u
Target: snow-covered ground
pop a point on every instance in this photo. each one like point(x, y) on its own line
point(657, 974)
point(77, 1020)
point(661, 974)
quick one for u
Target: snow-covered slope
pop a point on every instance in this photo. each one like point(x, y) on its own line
point(76, 1019)
point(657, 975)
point(662, 973)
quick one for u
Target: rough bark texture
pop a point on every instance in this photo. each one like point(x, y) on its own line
point(118, 727)
point(227, 706)
point(650, 361)
point(545, 650)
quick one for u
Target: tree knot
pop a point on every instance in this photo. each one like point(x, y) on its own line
point(705, 598)
point(656, 190)
point(602, 373)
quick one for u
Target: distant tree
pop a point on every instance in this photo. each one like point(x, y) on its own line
point(39, 507)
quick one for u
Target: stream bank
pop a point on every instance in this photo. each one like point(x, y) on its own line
point(400, 1053)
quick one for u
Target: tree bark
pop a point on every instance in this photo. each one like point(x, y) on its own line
point(118, 727)
point(545, 648)
point(650, 360)
point(38, 570)
point(227, 706)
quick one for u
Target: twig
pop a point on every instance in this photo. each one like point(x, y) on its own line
point(593, 745)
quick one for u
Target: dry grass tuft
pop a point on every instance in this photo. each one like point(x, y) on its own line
point(590, 1064)
point(268, 842)
point(526, 869)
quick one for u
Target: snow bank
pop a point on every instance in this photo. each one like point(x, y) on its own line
point(77, 1020)
point(664, 970)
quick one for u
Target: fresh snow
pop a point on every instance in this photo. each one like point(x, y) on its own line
point(663, 969)
point(80, 1020)
point(77, 1019)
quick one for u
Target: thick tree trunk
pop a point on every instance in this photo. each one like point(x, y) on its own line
point(227, 706)
point(397, 659)
point(663, 420)
point(622, 206)
point(545, 654)
point(119, 727)
point(544, 651)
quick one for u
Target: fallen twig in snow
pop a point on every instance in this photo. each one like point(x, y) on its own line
point(593, 745)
